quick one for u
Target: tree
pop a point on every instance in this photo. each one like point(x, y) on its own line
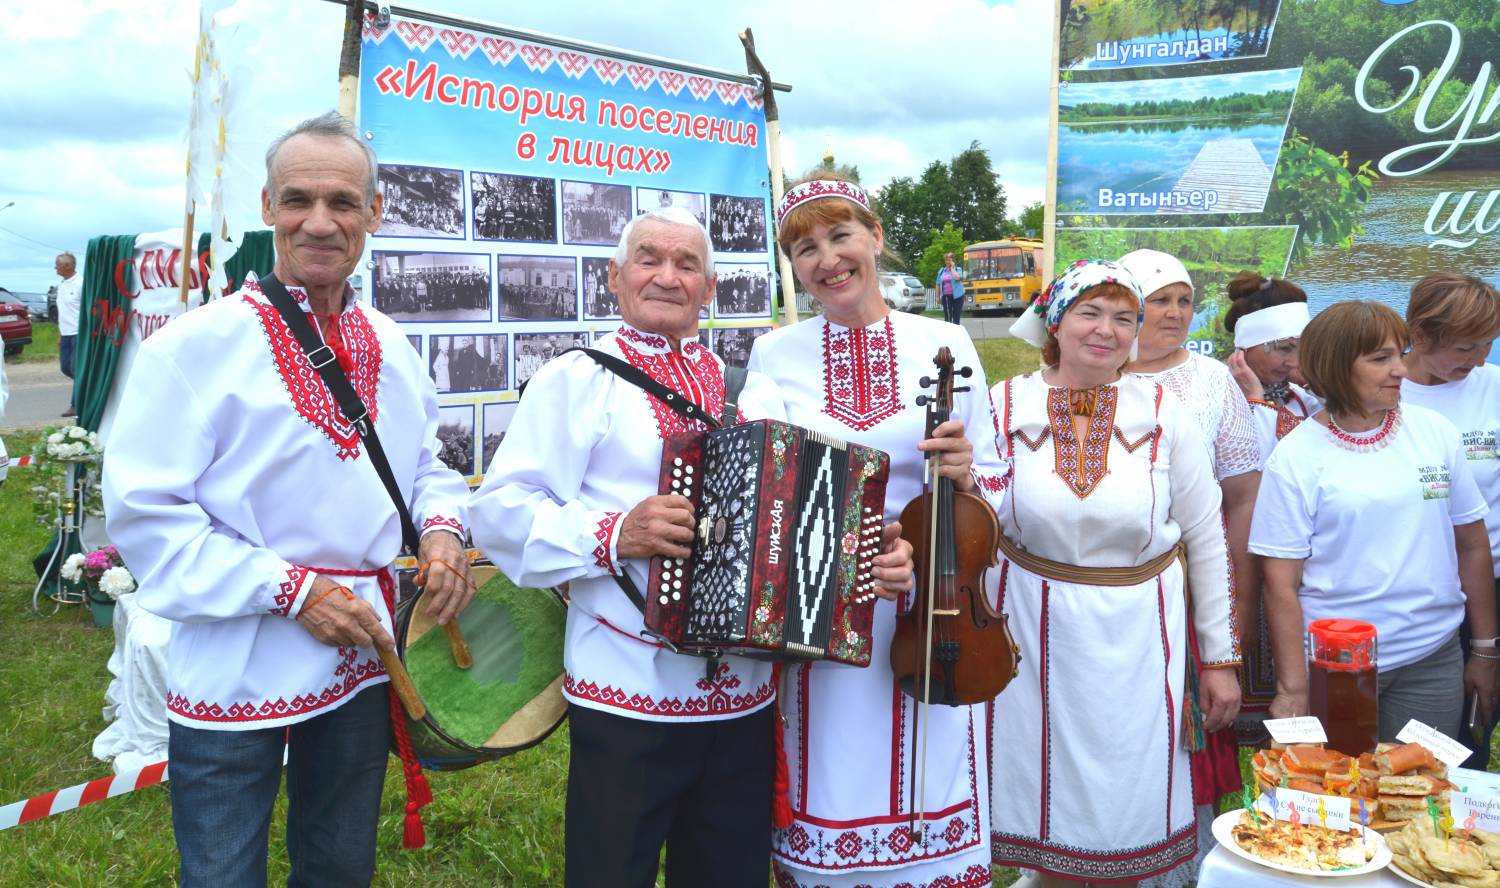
point(949, 240)
point(900, 209)
point(965, 192)
point(978, 199)
point(1031, 220)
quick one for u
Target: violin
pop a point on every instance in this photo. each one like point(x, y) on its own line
point(952, 648)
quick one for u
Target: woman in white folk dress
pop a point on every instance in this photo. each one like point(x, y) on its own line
point(1110, 476)
point(1369, 511)
point(851, 735)
point(1210, 394)
point(1266, 317)
point(1453, 320)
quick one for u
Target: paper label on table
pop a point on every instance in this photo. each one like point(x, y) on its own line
point(1485, 809)
point(1336, 807)
point(1480, 783)
point(1448, 751)
point(1301, 729)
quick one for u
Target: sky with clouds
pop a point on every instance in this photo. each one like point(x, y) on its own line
point(94, 94)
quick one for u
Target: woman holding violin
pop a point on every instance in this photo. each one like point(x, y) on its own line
point(864, 809)
point(1110, 481)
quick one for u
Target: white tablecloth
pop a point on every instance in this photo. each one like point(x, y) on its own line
point(1222, 869)
point(137, 697)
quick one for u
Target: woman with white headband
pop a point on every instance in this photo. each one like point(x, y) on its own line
point(1454, 319)
point(1110, 480)
point(1266, 317)
point(851, 735)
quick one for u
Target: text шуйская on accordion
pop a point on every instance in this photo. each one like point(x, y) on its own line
point(789, 523)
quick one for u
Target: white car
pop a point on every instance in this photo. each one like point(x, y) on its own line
point(903, 292)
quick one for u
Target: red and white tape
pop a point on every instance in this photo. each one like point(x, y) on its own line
point(61, 800)
point(23, 460)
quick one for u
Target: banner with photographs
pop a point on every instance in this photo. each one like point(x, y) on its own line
point(1351, 146)
point(509, 168)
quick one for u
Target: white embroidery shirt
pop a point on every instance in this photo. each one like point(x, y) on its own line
point(582, 450)
point(231, 478)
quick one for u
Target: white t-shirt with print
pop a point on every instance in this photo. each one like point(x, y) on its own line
point(1473, 406)
point(1375, 528)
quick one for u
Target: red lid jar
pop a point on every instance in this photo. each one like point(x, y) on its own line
point(1342, 645)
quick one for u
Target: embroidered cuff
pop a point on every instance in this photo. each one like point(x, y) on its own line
point(990, 484)
point(606, 541)
point(292, 589)
point(442, 522)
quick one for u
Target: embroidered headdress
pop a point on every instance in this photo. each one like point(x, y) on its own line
point(817, 189)
point(1048, 308)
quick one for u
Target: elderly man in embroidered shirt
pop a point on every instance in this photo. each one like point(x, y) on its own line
point(260, 526)
point(661, 752)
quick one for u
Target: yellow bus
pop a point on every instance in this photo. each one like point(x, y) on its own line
point(1003, 275)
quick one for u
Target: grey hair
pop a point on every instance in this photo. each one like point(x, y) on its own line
point(331, 125)
point(68, 257)
point(669, 216)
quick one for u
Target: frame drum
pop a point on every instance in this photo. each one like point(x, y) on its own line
point(511, 698)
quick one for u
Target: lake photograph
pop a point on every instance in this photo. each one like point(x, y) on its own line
point(1195, 144)
point(1104, 34)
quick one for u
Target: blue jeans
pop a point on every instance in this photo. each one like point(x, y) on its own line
point(65, 354)
point(224, 786)
point(953, 310)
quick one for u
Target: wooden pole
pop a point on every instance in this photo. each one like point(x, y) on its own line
point(354, 26)
point(773, 145)
point(1049, 208)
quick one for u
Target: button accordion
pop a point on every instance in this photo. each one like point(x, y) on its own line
point(789, 524)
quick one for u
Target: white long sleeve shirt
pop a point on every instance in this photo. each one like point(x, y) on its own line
point(582, 450)
point(231, 478)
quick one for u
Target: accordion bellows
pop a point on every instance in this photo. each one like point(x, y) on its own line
point(788, 525)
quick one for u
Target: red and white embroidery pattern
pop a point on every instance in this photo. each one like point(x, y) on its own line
point(973, 876)
point(309, 395)
point(694, 375)
point(296, 575)
point(443, 522)
point(1082, 470)
point(719, 696)
point(860, 385)
point(347, 679)
point(603, 533)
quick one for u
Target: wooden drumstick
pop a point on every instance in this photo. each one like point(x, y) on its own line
point(463, 658)
point(405, 690)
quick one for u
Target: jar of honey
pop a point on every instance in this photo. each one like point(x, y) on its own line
point(1342, 683)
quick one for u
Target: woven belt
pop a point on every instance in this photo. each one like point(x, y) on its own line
point(1088, 576)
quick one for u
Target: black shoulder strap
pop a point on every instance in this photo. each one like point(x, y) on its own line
point(640, 379)
point(734, 383)
point(322, 359)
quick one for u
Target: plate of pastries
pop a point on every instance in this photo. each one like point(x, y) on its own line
point(1395, 781)
point(1460, 859)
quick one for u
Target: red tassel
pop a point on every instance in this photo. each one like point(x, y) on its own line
point(781, 803)
point(413, 835)
point(420, 792)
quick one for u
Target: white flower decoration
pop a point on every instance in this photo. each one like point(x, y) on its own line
point(77, 432)
point(117, 581)
point(72, 569)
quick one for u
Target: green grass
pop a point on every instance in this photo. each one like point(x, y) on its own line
point(43, 345)
point(1007, 357)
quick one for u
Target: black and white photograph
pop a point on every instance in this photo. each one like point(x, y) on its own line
point(742, 291)
point(467, 363)
point(733, 343)
point(421, 202)
point(514, 208)
point(538, 288)
point(738, 224)
point(598, 300)
point(427, 287)
point(456, 433)
point(594, 213)
point(496, 418)
point(535, 349)
point(416, 343)
point(647, 199)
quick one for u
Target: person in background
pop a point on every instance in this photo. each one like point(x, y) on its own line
point(1370, 512)
point(1211, 396)
point(950, 288)
point(1454, 319)
point(69, 304)
point(1266, 318)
